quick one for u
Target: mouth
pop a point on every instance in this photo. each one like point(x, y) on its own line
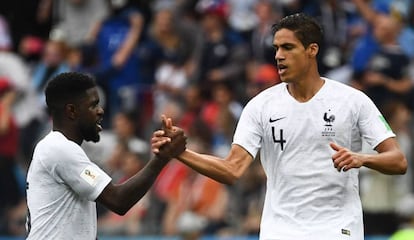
point(282, 69)
point(99, 125)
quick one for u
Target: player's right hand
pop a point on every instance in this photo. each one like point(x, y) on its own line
point(168, 142)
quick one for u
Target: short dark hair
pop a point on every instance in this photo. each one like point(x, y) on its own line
point(66, 87)
point(306, 28)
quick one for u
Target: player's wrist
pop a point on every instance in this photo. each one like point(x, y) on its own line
point(158, 162)
point(364, 160)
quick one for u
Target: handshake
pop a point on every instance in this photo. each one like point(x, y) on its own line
point(168, 142)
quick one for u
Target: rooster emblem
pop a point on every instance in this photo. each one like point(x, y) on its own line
point(328, 119)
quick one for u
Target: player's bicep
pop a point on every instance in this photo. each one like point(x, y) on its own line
point(107, 196)
point(240, 159)
point(387, 145)
point(372, 125)
point(81, 175)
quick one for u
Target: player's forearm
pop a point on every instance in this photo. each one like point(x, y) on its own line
point(137, 186)
point(210, 166)
point(391, 162)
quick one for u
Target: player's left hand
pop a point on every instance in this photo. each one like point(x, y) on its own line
point(158, 139)
point(344, 159)
point(168, 142)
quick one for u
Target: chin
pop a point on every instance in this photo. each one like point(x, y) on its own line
point(285, 80)
point(93, 138)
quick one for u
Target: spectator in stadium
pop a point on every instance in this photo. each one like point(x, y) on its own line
point(124, 130)
point(76, 18)
point(52, 63)
point(9, 138)
point(381, 194)
point(62, 183)
point(197, 205)
point(385, 76)
point(224, 53)
point(335, 19)
point(262, 51)
point(25, 107)
point(374, 15)
point(115, 39)
point(221, 114)
point(405, 211)
point(252, 188)
point(131, 223)
point(264, 76)
point(308, 130)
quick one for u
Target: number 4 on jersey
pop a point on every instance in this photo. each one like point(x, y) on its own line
point(280, 140)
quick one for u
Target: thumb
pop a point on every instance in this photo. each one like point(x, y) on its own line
point(166, 123)
point(335, 146)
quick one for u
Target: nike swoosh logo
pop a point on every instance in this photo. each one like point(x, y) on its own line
point(276, 119)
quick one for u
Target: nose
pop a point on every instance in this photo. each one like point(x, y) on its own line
point(100, 111)
point(278, 54)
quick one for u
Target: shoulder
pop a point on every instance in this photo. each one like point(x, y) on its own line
point(269, 97)
point(346, 95)
point(268, 94)
point(342, 90)
point(56, 146)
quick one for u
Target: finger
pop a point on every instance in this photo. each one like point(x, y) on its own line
point(337, 160)
point(158, 133)
point(159, 143)
point(164, 140)
point(164, 122)
point(344, 166)
point(160, 139)
point(335, 146)
point(339, 166)
point(336, 156)
point(169, 123)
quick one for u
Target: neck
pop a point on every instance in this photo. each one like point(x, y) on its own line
point(303, 91)
point(68, 133)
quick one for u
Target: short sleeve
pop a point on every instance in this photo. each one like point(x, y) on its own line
point(249, 132)
point(372, 124)
point(71, 166)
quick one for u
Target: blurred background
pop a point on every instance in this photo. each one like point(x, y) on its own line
point(199, 62)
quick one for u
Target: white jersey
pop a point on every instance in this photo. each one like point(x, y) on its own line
point(306, 197)
point(62, 185)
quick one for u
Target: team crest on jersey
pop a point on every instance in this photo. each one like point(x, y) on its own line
point(328, 126)
point(90, 176)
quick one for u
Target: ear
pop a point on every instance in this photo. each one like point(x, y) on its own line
point(70, 111)
point(313, 50)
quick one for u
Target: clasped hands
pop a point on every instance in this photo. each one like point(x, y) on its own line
point(168, 142)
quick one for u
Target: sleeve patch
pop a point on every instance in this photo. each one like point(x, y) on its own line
point(90, 176)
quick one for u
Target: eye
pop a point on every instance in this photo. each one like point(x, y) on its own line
point(288, 47)
point(94, 104)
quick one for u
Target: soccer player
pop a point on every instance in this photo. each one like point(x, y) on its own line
point(308, 130)
point(62, 183)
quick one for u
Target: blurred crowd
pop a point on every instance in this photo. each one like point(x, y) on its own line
point(198, 62)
